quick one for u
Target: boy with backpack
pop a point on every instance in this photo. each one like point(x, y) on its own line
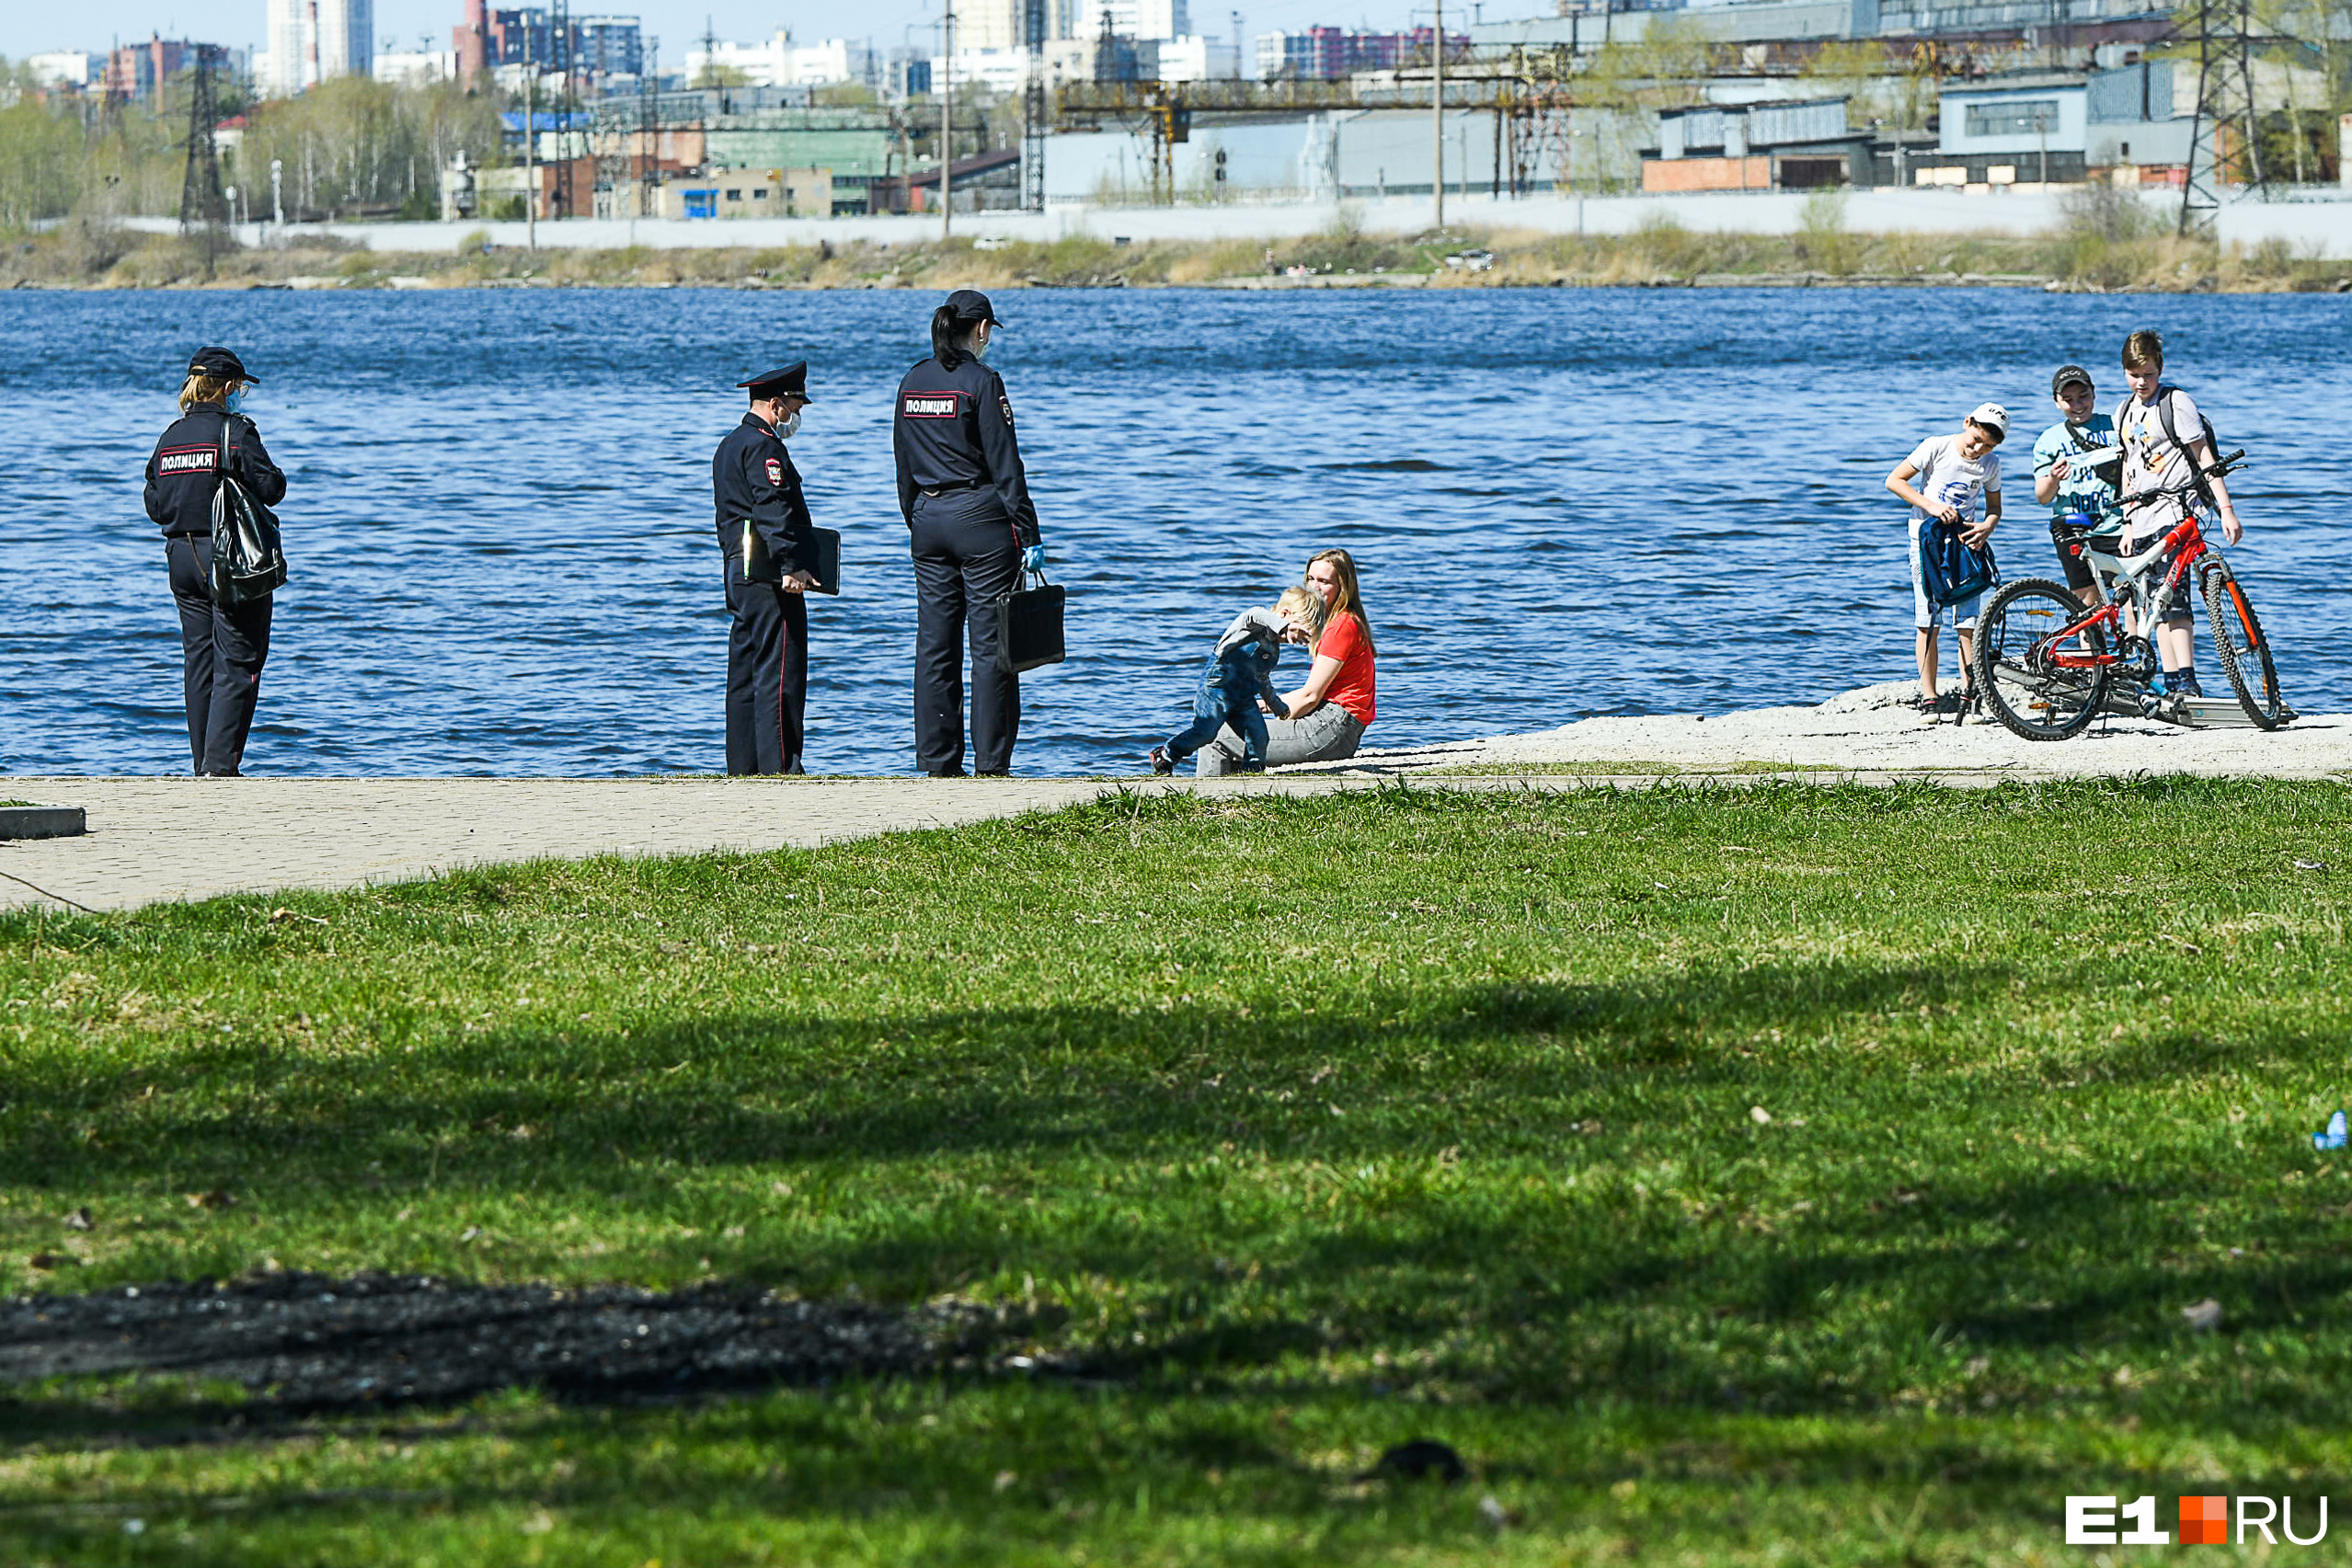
point(2167, 447)
point(1946, 479)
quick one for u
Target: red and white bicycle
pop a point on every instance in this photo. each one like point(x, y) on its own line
point(2047, 664)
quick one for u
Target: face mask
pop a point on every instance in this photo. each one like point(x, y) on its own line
point(790, 427)
point(981, 346)
point(235, 400)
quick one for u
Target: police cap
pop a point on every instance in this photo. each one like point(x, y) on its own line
point(792, 381)
point(219, 362)
point(971, 304)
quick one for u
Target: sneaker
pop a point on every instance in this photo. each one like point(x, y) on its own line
point(1161, 762)
point(1972, 705)
point(2186, 688)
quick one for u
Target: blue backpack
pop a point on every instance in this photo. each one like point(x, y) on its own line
point(1951, 571)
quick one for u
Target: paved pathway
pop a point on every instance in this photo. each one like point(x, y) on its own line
point(156, 840)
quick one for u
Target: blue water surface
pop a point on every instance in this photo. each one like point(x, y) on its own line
point(1565, 502)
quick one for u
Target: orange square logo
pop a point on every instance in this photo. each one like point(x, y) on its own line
point(2205, 1521)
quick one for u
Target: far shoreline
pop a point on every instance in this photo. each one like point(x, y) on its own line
point(82, 255)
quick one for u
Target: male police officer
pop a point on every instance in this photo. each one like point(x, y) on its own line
point(973, 529)
point(764, 533)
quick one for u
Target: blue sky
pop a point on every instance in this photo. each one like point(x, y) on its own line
point(28, 29)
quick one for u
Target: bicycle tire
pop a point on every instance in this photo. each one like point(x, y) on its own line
point(2238, 639)
point(2026, 695)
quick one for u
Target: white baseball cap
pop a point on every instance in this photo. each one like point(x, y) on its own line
point(1993, 417)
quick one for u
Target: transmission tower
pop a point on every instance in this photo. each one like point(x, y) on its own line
point(560, 55)
point(201, 210)
point(649, 129)
point(1033, 109)
point(2222, 31)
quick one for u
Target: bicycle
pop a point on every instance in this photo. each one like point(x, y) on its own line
point(2045, 662)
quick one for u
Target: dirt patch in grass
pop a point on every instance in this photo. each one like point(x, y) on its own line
point(310, 1341)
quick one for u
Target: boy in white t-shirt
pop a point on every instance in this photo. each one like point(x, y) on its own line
point(1951, 479)
point(2168, 466)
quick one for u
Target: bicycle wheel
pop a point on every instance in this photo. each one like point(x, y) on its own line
point(2024, 689)
point(2246, 652)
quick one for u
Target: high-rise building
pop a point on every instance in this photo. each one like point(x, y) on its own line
point(310, 40)
point(999, 24)
point(1138, 20)
point(593, 47)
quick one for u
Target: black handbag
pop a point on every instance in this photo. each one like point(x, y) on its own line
point(1028, 626)
point(248, 561)
point(760, 562)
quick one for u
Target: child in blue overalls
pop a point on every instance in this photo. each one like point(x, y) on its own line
point(1239, 672)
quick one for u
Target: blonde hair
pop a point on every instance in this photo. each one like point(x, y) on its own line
point(1303, 608)
point(1350, 599)
point(202, 388)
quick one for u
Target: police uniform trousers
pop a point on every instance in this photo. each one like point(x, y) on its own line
point(222, 650)
point(767, 675)
point(964, 554)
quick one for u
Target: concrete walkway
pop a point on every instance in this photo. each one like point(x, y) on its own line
point(152, 840)
point(156, 840)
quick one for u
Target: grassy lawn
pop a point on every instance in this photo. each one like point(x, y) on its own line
point(1789, 1174)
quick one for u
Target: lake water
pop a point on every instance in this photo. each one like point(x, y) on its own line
point(1565, 503)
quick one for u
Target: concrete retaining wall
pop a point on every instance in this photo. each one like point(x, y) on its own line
point(2316, 228)
point(1938, 211)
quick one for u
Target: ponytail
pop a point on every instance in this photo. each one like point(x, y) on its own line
point(944, 336)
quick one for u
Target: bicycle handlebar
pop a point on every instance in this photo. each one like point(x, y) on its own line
point(2221, 468)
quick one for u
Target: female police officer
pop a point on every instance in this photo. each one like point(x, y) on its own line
point(222, 646)
point(973, 531)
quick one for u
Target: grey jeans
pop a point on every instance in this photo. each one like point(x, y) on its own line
point(1326, 735)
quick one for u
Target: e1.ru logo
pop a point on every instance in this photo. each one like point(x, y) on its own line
point(2204, 1521)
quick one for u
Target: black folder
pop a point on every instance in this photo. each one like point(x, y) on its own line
point(760, 566)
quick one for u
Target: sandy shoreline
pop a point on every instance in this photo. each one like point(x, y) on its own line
point(1873, 729)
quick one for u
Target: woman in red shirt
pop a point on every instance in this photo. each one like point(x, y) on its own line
point(1330, 713)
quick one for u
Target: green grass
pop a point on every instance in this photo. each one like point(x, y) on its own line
point(1287, 1129)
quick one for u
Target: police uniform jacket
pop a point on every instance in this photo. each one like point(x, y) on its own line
point(185, 471)
point(752, 477)
point(954, 432)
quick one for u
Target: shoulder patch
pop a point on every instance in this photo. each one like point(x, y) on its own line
point(1006, 404)
point(928, 404)
point(776, 472)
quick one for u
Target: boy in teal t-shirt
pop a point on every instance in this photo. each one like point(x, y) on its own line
point(2067, 484)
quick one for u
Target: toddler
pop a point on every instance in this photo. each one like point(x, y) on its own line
point(1239, 672)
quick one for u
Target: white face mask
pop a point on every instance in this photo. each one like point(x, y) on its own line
point(981, 346)
point(790, 427)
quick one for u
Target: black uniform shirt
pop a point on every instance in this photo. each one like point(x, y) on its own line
point(953, 430)
point(752, 477)
point(184, 470)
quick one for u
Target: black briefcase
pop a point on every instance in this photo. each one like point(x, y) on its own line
point(1028, 626)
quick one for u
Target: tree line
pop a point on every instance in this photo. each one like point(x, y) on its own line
point(350, 147)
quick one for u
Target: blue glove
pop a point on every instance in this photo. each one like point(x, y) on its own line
point(1033, 559)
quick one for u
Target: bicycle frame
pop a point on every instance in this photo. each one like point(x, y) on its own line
point(2184, 545)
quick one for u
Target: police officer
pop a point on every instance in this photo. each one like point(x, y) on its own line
point(973, 531)
point(764, 535)
point(222, 646)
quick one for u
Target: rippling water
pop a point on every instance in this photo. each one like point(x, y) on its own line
point(1565, 503)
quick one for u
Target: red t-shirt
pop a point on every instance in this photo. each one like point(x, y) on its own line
point(1351, 689)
